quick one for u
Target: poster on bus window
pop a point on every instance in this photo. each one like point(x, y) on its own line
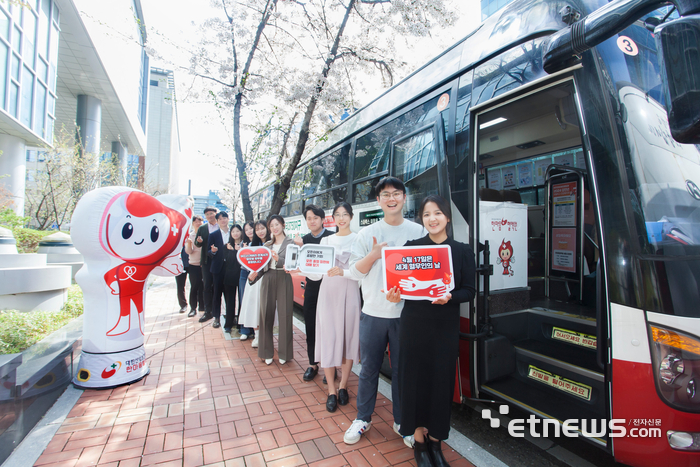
point(420, 272)
point(525, 175)
point(541, 170)
point(508, 174)
point(564, 250)
point(494, 176)
point(564, 204)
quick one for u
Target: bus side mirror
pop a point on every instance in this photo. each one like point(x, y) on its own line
point(678, 42)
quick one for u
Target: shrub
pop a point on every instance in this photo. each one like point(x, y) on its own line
point(19, 330)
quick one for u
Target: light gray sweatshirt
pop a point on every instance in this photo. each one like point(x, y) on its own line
point(376, 303)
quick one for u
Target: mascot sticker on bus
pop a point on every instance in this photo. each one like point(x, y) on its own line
point(124, 236)
point(505, 257)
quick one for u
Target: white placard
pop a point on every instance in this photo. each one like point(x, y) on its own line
point(310, 259)
point(504, 225)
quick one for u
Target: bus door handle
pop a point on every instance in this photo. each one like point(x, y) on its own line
point(303, 285)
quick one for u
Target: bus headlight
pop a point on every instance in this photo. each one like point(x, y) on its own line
point(683, 441)
point(676, 358)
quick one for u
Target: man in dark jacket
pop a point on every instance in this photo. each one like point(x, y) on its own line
point(181, 279)
point(314, 221)
point(202, 241)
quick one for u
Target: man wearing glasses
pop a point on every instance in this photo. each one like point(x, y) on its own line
point(379, 322)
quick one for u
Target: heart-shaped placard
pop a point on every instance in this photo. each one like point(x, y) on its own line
point(254, 258)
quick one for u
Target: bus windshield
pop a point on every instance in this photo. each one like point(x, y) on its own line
point(664, 179)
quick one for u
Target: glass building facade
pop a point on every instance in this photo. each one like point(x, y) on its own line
point(28, 59)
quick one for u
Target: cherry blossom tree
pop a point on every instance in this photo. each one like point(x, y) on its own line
point(310, 59)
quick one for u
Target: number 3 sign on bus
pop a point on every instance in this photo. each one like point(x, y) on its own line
point(420, 272)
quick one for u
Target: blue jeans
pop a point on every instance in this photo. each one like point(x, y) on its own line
point(241, 288)
point(375, 333)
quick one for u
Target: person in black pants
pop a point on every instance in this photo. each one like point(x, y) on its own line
point(217, 262)
point(314, 221)
point(181, 280)
point(202, 241)
point(195, 269)
point(232, 276)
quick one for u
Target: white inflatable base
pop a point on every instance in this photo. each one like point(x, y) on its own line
point(107, 370)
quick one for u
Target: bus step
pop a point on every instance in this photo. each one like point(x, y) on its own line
point(553, 406)
point(583, 387)
point(572, 356)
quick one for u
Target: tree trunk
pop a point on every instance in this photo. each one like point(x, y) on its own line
point(286, 180)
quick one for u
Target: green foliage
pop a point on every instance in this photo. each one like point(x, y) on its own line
point(19, 331)
point(28, 239)
point(10, 220)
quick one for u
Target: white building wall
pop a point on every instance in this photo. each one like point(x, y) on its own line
point(162, 161)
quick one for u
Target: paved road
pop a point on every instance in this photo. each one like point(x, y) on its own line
point(518, 452)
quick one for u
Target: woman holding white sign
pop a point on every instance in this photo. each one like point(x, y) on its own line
point(427, 371)
point(338, 311)
point(249, 314)
point(276, 293)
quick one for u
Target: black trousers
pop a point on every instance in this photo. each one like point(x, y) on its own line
point(310, 301)
point(181, 280)
point(218, 290)
point(208, 291)
point(230, 297)
point(196, 287)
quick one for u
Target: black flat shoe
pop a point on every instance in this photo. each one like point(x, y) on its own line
point(192, 313)
point(310, 373)
point(343, 396)
point(435, 450)
point(216, 324)
point(205, 317)
point(332, 403)
point(335, 375)
point(421, 454)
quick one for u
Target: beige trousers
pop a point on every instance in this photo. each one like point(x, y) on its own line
point(276, 292)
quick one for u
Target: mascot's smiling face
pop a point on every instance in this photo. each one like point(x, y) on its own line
point(132, 237)
point(138, 228)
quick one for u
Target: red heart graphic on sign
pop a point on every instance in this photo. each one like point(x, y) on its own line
point(254, 258)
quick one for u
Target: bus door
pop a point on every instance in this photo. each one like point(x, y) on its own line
point(533, 209)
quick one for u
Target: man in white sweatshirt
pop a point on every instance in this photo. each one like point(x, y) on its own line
point(379, 322)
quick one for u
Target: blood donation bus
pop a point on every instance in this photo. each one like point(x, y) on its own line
point(553, 129)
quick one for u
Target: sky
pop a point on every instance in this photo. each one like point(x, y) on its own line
point(204, 138)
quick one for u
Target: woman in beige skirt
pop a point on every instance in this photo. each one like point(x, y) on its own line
point(338, 311)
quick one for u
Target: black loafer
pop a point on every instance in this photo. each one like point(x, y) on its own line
point(343, 396)
point(192, 313)
point(310, 373)
point(183, 309)
point(216, 324)
point(335, 375)
point(205, 317)
point(332, 403)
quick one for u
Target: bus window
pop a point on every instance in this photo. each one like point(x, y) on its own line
point(414, 164)
point(372, 150)
point(330, 171)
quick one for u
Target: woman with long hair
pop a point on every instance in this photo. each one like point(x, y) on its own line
point(248, 237)
point(250, 307)
point(427, 371)
point(232, 275)
point(338, 311)
point(276, 296)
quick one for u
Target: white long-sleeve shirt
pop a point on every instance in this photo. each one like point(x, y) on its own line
point(375, 302)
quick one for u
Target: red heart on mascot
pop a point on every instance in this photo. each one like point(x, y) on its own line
point(254, 258)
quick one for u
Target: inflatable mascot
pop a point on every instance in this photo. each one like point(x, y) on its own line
point(124, 235)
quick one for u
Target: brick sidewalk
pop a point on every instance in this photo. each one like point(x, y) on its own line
point(211, 401)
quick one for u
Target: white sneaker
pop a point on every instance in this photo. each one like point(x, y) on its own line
point(255, 343)
point(407, 440)
point(244, 337)
point(282, 362)
point(268, 361)
point(354, 433)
